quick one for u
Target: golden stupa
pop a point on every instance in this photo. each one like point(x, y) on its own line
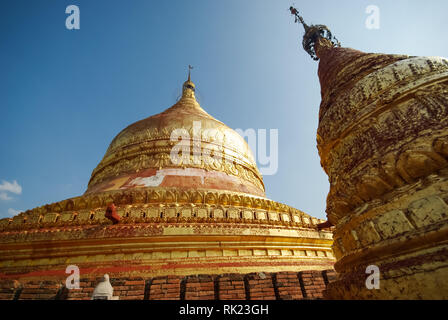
point(190, 217)
point(382, 139)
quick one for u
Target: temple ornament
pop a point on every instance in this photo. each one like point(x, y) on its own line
point(312, 34)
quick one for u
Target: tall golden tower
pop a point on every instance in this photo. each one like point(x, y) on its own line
point(203, 216)
point(383, 142)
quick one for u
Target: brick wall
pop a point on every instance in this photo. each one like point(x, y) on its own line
point(252, 286)
point(40, 290)
point(165, 288)
point(84, 293)
point(200, 287)
point(231, 287)
point(261, 286)
point(129, 289)
point(314, 284)
point(9, 289)
point(288, 286)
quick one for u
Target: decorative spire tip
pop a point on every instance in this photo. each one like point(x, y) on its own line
point(189, 72)
point(313, 33)
point(189, 87)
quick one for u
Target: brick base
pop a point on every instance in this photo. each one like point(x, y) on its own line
point(252, 286)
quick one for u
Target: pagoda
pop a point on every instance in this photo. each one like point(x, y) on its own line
point(144, 215)
point(383, 142)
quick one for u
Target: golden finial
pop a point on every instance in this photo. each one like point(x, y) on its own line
point(189, 70)
point(189, 87)
point(313, 33)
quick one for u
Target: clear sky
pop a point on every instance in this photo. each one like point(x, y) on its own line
point(65, 94)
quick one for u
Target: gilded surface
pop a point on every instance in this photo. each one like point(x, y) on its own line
point(164, 227)
point(175, 220)
point(147, 144)
point(382, 139)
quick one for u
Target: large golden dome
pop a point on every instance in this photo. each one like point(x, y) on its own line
point(139, 156)
point(207, 217)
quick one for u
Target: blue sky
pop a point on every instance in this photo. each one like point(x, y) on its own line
point(65, 94)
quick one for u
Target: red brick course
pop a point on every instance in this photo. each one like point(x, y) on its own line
point(261, 286)
point(288, 286)
point(313, 284)
point(231, 287)
point(200, 287)
point(165, 288)
point(9, 289)
point(253, 286)
point(40, 290)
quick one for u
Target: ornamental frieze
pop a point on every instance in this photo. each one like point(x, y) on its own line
point(163, 160)
point(349, 107)
point(153, 205)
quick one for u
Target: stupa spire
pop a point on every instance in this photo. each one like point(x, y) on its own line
point(189, 72)
point(189, 87)
point(313, 34)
